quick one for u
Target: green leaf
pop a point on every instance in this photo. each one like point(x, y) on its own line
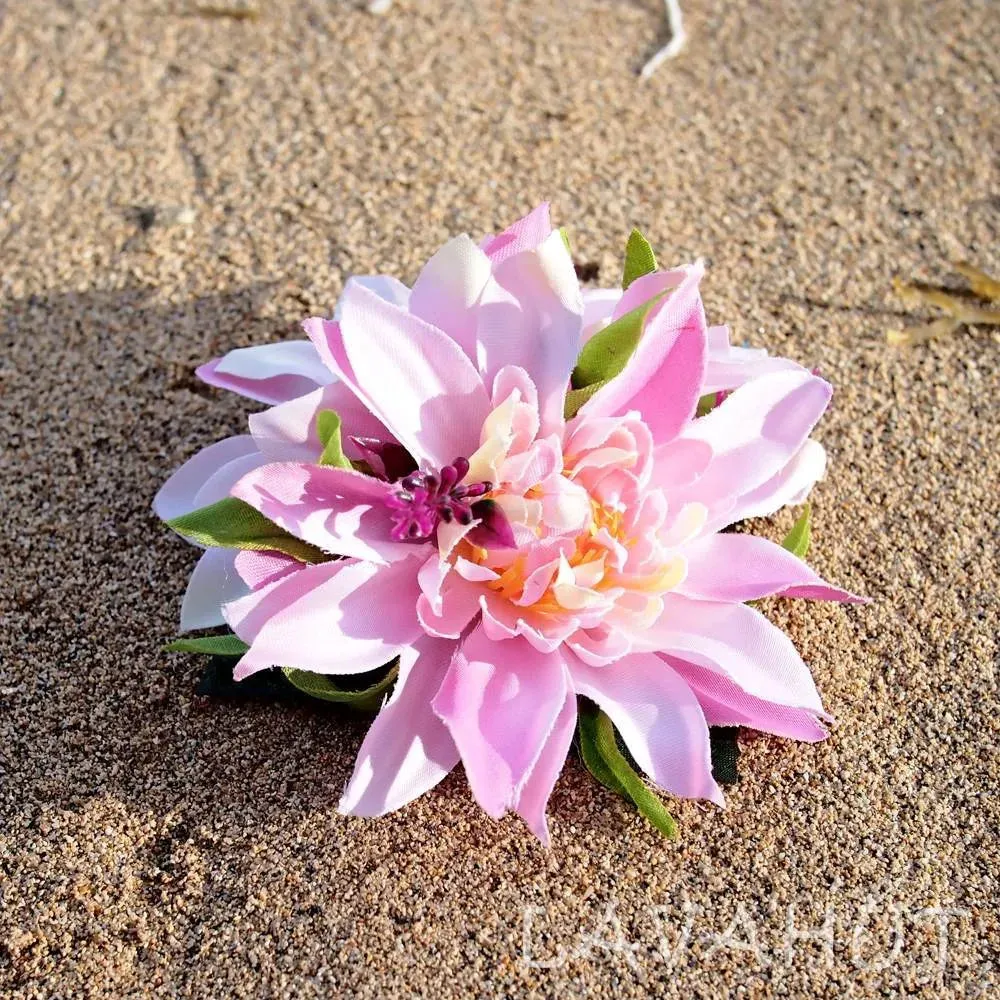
point(608, 351)
point(367, 699)
point(214, 645)
point(601, 738)
point(725, 754)
point(575, 398)
point(233, 524)
point(328, 429)
point(706, 404)
point(587, 737)
point(564, 233)
point(639, 258)
point(797, 540)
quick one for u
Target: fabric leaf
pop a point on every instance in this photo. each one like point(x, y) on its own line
point(328, 429)
point(598, 732)
point(575, 398)
point(706, 404)
point(797, 540)
point(214, 645)
point(639, 258)
point(606, 353)
point(587, 740)
point(564, 233)
point(326, 688)
point(233, 524)
point(725, 754)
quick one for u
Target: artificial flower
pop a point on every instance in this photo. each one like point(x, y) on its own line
point(526, 509)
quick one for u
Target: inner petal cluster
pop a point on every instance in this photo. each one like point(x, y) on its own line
point(595, 549)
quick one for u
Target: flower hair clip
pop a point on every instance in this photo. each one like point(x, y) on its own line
point(493, 508)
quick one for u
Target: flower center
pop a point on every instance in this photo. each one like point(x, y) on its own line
point(423, 500)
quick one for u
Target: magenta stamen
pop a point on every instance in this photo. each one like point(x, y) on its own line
point(423, 500)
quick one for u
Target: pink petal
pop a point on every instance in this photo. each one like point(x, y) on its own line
point(340, 617)
point(503, 621)
point(730, 567)
point(754, 433)
point(663, 377)
point(328, 339)
point(448, 288)
point(500, 701)
point(659, 719)
point(726, 704)
point(419, 381)
point(177, 495)
point(258, 569)
point(730, 367)
point(213, 582)
point(287, 433)
point(385, 286)
point(525, 234)
point(339, 510)
point(738, 642)
point(680, 462)
point(598, 305)
point(790, 485)
point(218, 485)
point(408, 749)
point(650, 285)
point(458, 605)
point(534, 794)
point(271, 373)
point(529, 317)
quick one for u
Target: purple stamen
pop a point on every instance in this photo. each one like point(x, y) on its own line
point(423, 500)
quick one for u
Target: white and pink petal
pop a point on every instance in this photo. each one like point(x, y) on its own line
point(270, 373)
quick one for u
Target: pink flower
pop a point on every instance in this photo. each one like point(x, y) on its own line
point(513, 559)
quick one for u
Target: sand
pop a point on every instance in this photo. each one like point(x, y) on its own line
point(174, 184)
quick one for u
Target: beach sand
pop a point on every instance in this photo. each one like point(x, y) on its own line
point(174, 184)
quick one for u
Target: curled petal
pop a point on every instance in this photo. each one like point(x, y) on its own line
point(738, 642)
point(662, 379)
point(271, 373)
point(754, 433)
point(449, 286)
point(525, 234)
point(337, 510)
point(288, 432)
point(417, 379)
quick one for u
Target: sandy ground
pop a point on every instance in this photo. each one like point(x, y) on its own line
point(156, 844)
